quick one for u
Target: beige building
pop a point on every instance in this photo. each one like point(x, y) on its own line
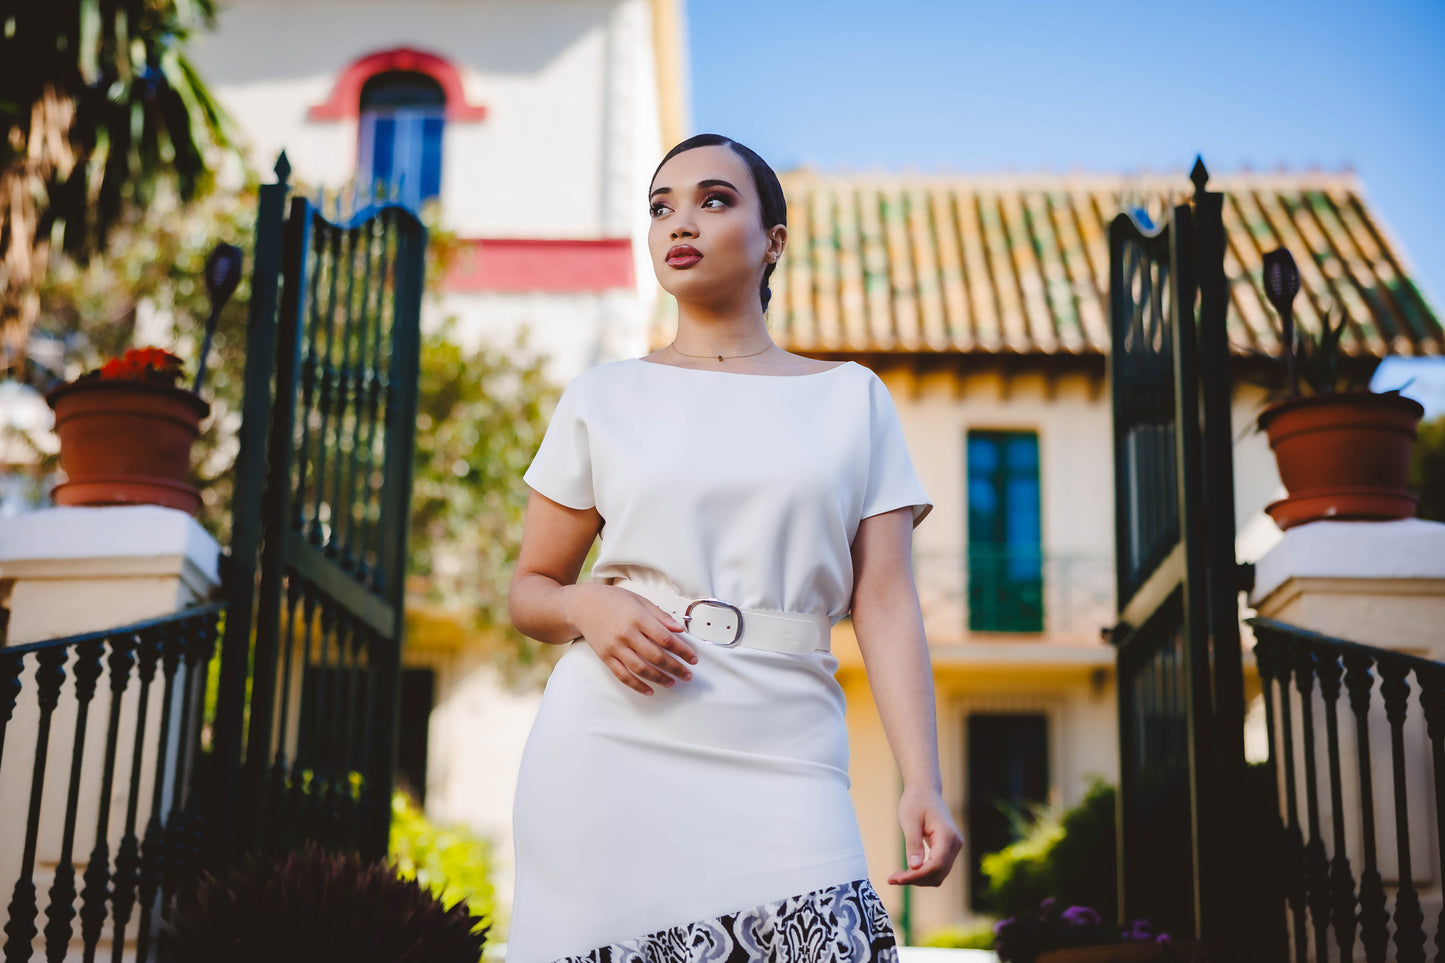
point(982, 302)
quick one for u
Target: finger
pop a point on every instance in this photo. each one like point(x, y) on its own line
point(643, 670)
point(913, 843)
point(626, 677)
point(668, 639)
point(658, 656)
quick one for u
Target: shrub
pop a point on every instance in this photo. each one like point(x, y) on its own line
point(978, 937)
point(453, 862)
point(1070, 858)
point(314, 905)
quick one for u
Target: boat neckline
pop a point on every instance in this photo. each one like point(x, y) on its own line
point(742, 374)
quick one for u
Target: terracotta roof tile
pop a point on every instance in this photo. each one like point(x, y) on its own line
point(1006, 264)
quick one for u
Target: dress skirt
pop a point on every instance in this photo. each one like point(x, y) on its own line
point(709, 821)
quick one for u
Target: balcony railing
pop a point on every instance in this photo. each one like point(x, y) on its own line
point(991, 591)
point(132, 860)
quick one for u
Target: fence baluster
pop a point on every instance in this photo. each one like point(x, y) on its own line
point(1409, 932)
point(304, 329)
point(61, 912)
point(1373, 918)
point(353, 556)
point(20, 928)
point(339, 778)
point(1293, 861)
point(1432, 701)
point(336, 546)
point(155, 854)
point(1267, 657)
point(127, 860)
point(328, 390)
point(355, 724)
point(279, 772)
point(96, 894)
point(11, 665)
point(1342, 883)
point(1313, 863)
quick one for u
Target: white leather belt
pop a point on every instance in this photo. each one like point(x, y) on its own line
point(722, 623)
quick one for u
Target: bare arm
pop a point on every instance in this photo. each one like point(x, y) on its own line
point(631, 635)
point(889, 624)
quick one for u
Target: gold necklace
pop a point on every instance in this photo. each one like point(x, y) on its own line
point(673, 346)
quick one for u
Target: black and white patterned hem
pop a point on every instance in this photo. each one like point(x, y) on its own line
point(837, 924)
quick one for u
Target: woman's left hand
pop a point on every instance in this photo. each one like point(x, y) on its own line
point(925, 819)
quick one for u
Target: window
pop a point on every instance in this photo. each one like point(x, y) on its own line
point(401, 123)
point(1005, 557)
point(1008, 772)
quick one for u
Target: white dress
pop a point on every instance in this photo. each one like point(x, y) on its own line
point(710, 820)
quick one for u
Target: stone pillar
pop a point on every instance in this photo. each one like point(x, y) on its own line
point(1379, 583)
point(73, 570)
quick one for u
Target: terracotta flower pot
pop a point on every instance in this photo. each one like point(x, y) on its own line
point(1342, 456)
point(126, 443)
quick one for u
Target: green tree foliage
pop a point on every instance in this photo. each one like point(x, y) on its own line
point(482, 416)
point(1427, 469)
point(1069, 857)
point(99, 107)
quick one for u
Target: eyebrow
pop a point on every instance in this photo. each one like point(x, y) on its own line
point(707, 183)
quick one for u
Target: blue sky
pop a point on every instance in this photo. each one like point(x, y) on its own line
point(1101, 85)
point(1096, 85)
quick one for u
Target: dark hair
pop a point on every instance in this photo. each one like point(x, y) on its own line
point(770, 192)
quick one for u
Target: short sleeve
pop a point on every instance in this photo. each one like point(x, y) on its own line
point(892, 482)
point(562, 467)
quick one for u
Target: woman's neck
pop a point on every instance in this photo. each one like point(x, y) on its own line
point(727, 330)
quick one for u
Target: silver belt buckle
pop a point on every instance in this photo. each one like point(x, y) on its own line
point(737, 619)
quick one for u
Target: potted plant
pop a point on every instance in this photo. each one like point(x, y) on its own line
point(126, 428)
point(1343, 451)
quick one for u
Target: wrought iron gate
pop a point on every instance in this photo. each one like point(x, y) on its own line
point(305, 731)
point(1180, 683)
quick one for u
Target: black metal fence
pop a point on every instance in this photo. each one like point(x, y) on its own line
point(1180, 682)
point(1351, 840)
point(310, 676)
point(133, 862)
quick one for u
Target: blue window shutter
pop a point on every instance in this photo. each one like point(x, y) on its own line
point(402, 131)
point(1005, 555)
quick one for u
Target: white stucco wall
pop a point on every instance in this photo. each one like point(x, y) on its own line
point(565, 151)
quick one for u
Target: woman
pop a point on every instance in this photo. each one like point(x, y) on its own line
point(683, 794)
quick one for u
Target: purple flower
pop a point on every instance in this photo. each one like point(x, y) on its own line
point(1002, 925)
point(1163, 938)
point(1047, 906)
point(1080, 916)
point(1139, 930)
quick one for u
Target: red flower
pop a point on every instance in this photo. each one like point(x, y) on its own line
point(154, 365)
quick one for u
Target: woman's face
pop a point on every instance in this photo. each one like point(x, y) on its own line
point(707, 239)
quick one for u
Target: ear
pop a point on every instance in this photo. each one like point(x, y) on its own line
point(777, 240)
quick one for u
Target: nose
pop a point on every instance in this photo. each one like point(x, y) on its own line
point(682, 230)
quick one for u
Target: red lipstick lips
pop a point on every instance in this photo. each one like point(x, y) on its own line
point(683, 255)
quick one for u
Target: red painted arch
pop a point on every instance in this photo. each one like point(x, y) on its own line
point(345, 100)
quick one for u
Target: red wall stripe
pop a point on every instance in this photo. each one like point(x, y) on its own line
point(525, 264)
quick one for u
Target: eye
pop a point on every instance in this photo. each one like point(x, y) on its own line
point(657, 209)
point(722, 200)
